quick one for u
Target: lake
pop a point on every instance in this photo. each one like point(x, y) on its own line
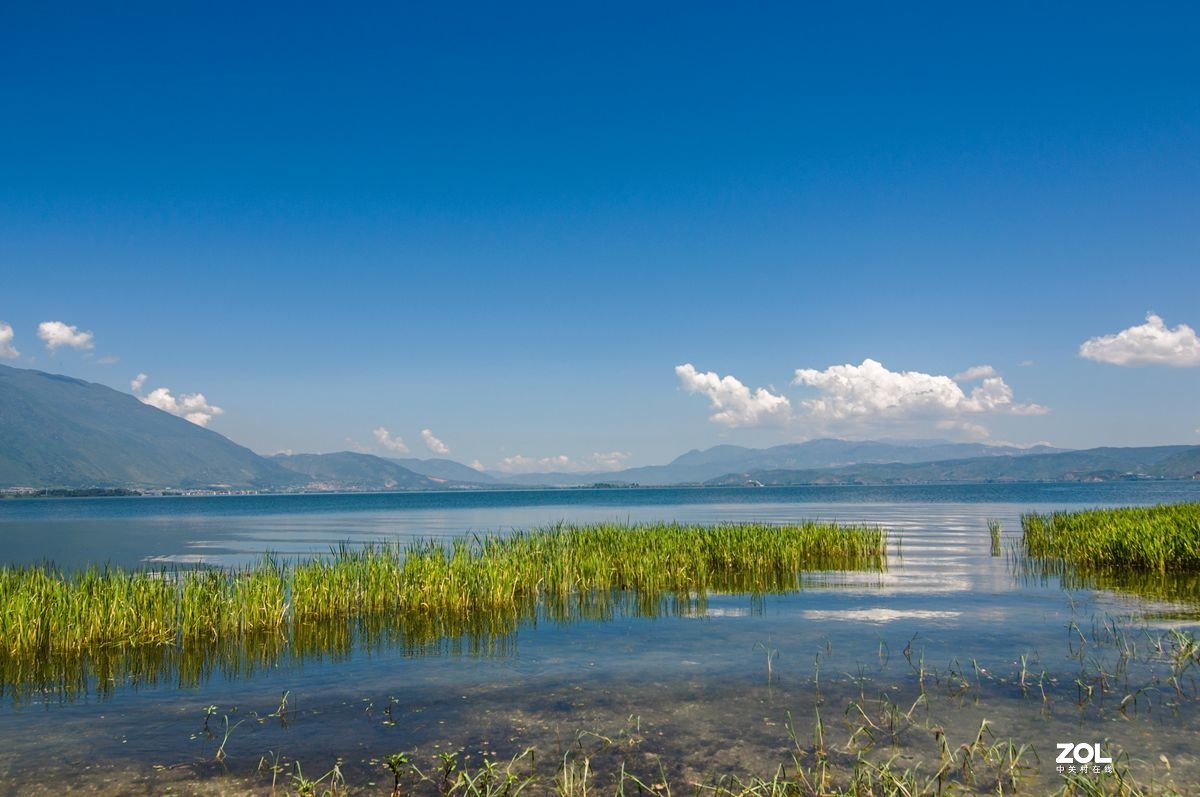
point(692, 689)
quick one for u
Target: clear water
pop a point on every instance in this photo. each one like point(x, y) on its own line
point(703, 692)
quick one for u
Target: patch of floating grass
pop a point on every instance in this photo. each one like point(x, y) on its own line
point(472, 584)
point(1164, 538)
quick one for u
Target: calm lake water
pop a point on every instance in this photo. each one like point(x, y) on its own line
point(946, 637)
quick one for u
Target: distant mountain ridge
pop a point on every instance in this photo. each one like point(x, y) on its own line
point(699, 466)
point(350, 470)
point(445, 469)
point(1095, 464)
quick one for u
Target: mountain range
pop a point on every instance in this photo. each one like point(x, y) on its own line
point(1095, 464)
point(348, 470)
point(699, 466)
point(61, 432)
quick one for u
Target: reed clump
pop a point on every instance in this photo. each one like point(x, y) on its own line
point(1164, 538)
point(499, 581)
point(492, 573)
point(994, 532)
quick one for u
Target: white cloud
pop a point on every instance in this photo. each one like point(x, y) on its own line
point(733, 403)
point(975, 372)
point(561, 463)
point(433, 444)
point(385, 439)
point(870, 390)
point(108, 359)
point(519, 463)
point(56, 334)
point(7, 350)
point(1151, 343)
point(477, 465)
point(191, 406)
point(611, 460)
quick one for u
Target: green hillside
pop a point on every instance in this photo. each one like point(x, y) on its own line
point(56, 431)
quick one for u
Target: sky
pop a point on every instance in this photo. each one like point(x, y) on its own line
point(572, 236)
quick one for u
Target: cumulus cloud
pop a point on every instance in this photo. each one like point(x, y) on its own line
point(1151, 343)
point(561, 463)
point(191, 406)
point(56, 334)
point(733, 403)
point(870, 391)
point(865, 398)
point(7, 350)
point(433, 444)
point(385, 439)
point(477, 465)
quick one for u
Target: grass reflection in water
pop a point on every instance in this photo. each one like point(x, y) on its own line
point(58, 631)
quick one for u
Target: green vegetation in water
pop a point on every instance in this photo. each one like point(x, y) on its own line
point(1163, 538)
point(994, 532)
point(471, 585)
point(869, 733)
point(1180, 590)
point(879, 743)
point(872, 746)
point(601, 764)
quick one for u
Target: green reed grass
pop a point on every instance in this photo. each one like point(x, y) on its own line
point(492, 581)
point(994, 532)
point(502, 573)
point(1163, 538)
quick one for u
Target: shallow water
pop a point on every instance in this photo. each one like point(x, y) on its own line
point(701, 691)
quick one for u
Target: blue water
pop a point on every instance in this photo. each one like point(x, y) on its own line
point(227, 530)
point(697, 681)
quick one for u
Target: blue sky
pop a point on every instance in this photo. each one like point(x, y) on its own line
point(510, 223)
